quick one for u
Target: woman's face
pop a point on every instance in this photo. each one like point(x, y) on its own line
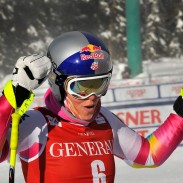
point(83, 109)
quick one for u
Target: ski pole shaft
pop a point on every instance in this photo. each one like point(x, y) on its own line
point(11, 175)
point(19, 111)
point(13, 145)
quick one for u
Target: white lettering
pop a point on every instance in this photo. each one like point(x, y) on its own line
point(58, 152)
point(70, 149)
point(98, 169)
point(80, 148)
point(83, 149)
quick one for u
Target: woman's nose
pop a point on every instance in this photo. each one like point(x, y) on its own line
point(92, 97)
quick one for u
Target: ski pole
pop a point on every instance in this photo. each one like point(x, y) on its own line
point(13, 145)
point(16, 116)
point(14, 134)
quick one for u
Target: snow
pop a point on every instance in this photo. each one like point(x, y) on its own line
point(170, 172)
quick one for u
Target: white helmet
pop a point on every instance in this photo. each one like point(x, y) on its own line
point(78, 54)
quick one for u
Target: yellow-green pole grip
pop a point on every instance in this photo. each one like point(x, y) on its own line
point(14, 138)
point(181, 92)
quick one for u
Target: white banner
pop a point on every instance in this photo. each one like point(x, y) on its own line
point(143, 118)
point(136, 93)
point(170, 90)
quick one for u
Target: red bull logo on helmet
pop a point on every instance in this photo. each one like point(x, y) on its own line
point(90, 48)
point(93, 50)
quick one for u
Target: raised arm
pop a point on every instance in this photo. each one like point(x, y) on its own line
point(152, 151)
point(158, 146)
point(5, 117)
point(29, 73)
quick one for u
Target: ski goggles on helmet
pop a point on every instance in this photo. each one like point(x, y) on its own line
point(83, 87)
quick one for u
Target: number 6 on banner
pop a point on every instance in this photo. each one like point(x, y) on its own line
point(97, 168)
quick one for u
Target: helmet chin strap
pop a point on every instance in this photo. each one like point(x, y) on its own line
point(71, 108)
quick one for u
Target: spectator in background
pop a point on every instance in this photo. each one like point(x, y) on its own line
point(126, 73)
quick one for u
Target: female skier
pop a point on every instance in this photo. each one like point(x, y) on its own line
point(73, 139)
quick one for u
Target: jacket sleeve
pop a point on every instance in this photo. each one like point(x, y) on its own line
point(5, 118)
point(152, 151)
point(159, 145)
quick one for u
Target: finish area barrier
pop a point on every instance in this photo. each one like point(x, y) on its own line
point(142, 107)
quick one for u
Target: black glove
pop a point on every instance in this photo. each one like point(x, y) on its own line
point(178, 106)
